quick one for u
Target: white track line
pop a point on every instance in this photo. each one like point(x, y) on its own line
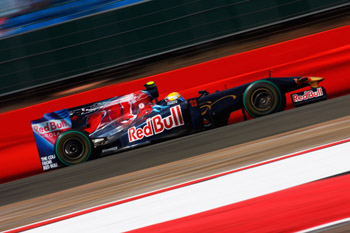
point(327, 225)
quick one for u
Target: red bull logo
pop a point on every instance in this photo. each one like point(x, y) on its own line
point(307, 95)
point(157, 125)
point(50, 130)
point(50, 126)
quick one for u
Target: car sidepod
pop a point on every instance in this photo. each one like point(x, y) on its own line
point(166, 122)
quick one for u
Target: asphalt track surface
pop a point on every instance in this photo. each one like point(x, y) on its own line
point(338, 228)
point(179, 160)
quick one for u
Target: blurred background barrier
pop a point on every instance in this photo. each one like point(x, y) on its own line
point(132, 33)
point(328, 57)
point(20, 16)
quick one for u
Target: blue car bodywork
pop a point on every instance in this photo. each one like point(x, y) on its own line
point(72, 136)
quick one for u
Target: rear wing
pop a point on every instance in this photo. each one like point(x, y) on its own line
point(46, 130)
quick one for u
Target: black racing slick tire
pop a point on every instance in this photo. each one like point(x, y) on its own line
point(73, 147)
point(262, 98)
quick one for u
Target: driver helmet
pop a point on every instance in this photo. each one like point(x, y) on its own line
point(174, 97)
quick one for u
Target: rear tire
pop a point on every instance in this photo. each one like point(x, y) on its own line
point(73, 147)
point(262, 98)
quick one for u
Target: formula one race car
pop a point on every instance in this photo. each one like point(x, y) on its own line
point(75, 135)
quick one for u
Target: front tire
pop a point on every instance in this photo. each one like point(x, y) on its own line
point(73, 147)
point(262, 98)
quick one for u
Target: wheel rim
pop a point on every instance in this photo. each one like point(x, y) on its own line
point(262, 99)
point(73, 148)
